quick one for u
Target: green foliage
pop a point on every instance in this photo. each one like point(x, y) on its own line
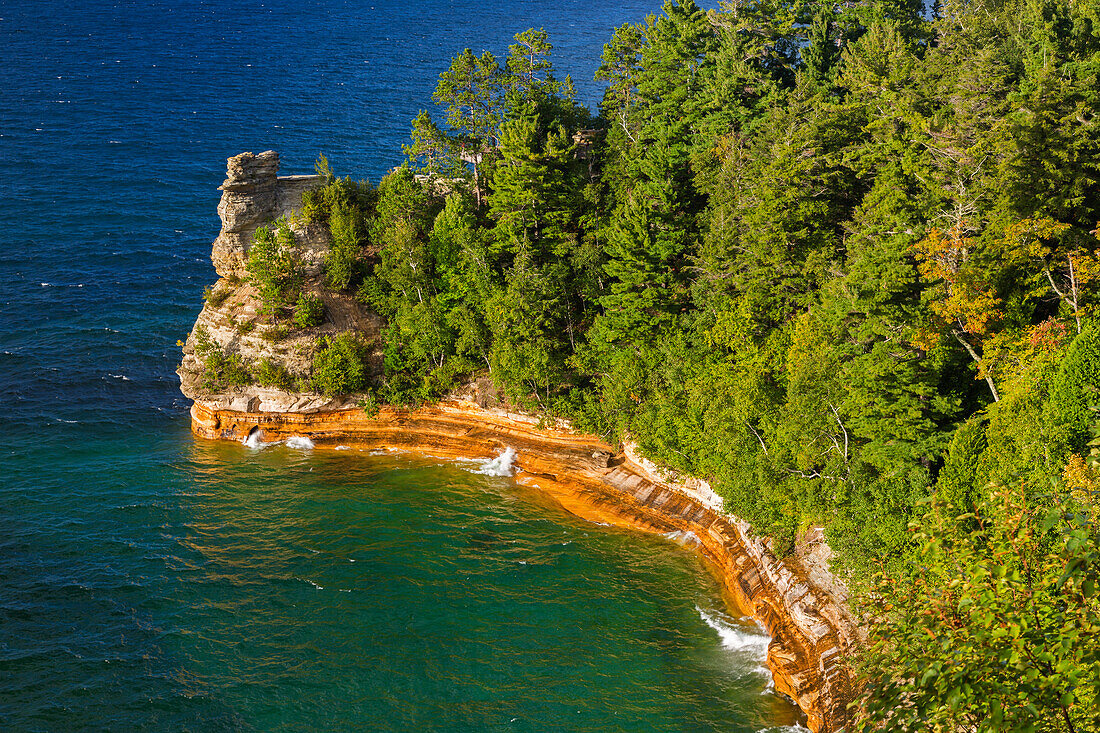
point(962, 480)
point(822, 255)
point(275, 334)
point(342, 263)
point(274, 268)
point(324, 169)
point(270, 373)
point(472, 89)
point(308, 310)
point(1073, 392)
point(215, 296)
point(993, 627)
point(339, 365)
point(335, 194)
point(432, 152)
point(344, 207)
point(370, 405)
point(221, 370)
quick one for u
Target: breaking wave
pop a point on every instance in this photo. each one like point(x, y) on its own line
point(255, 441)
point(683, 537)
point(734, 636)
point(499, 466)
point(299, 442)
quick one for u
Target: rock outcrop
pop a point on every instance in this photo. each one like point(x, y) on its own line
point(254, 195)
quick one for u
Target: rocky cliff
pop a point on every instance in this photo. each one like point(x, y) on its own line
point(254, 195)
point(809, 626)
point(795, 598)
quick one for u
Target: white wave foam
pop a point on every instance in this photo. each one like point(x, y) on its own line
point(255, 440)
point(341, 447)
point(299, 442)
point(683, 537)
point(735, 637)
point(796, 728)
point(123, 377)
point(499, 466)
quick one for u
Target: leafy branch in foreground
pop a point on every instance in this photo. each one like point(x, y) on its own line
point(995, 626)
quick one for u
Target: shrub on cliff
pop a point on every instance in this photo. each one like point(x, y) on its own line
point(215, 296)
point(220, 371)
point(272, 374)
point(273, 266)
point(308, 310)
point(347, 225)
point(319, 203)
point(339, 365)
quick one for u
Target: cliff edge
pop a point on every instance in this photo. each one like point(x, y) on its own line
point(237, 356)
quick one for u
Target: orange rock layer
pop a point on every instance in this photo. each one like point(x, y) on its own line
point(592, 479)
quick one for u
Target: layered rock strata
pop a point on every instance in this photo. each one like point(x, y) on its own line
point(810, 631)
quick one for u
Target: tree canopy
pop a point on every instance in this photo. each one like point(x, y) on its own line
point(839, 259)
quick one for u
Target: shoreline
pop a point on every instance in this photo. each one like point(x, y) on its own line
point(810, 631)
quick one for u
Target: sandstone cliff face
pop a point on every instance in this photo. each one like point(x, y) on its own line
point(811, 631)
point(254, 195)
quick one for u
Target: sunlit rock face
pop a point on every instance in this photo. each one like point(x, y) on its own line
point(254, 195)
point(810, 628)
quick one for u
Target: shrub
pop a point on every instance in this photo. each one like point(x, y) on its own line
point(319, 203)
point(214, 296)
point(963, 476)
point(1072, 391)
point(273, 374)
point(339, 365)
point(220, 370)
point(346, 224)
point(275, 334)
point(309, 310)
point(273, 266)
point(370, 405)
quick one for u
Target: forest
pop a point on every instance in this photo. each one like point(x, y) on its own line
point(840, 259)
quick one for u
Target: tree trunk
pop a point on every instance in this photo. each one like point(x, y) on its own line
point(977, 360)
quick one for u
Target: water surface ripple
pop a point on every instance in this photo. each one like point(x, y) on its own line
point(149, 581)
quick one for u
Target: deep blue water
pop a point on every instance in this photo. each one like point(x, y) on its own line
point(152, 581)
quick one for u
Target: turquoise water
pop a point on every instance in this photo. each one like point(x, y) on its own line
point(152, 581)
point(214, 587)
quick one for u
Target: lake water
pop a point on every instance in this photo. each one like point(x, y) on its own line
point(153, 581)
